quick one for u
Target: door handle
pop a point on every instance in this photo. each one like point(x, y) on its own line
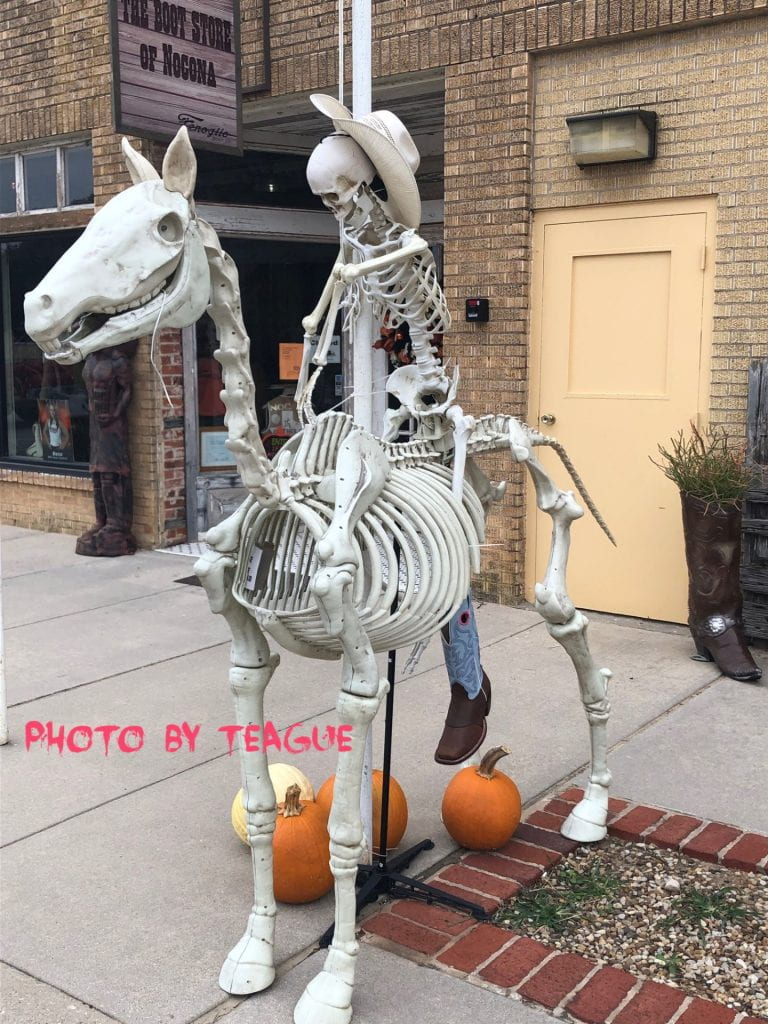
point(547, 419)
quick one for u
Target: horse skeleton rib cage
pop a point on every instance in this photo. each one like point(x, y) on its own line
point(311, 557)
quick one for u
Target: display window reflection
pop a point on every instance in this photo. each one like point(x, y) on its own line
point(40, 180)
point(43, 405)
point(280, 283)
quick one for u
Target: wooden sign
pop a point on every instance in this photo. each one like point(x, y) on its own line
point(175, 64)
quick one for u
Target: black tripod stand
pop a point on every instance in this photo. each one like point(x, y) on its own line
point(384, 876)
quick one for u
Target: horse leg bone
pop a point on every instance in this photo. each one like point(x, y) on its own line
point(462, 428)
point(567, 625)
point(327, 999)
point(361, 472)
point(249, 967)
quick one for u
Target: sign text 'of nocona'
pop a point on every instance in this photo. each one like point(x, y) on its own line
point(175, 20)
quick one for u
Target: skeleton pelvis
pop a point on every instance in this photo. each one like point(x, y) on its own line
point(415, 543)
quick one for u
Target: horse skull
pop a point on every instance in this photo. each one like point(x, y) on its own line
point(139, 265)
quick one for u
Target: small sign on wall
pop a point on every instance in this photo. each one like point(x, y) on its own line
point(214, 453)
point(178, 64)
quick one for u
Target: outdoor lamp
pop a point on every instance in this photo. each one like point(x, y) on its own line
point(612, 136)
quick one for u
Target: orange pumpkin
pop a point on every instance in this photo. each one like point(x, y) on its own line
point(300, 850)
point(481, 806)
point(397, 813)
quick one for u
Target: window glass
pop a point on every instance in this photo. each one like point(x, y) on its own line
point(40, 180)
point(43, 406)
point(78, 171)
point(279, 281)
point(8, 184)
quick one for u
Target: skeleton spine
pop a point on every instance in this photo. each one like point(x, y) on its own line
point(239, 392)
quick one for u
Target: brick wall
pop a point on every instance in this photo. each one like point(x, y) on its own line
point(497, 172)
point(701, 79)
point(173, 500)
point(45, 501)
point(487, 142)
point(708, 88)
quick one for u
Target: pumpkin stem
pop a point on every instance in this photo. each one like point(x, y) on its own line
point(292, 807)
point(490, 760)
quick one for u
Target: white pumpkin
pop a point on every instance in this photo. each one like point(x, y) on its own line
point(282, 776)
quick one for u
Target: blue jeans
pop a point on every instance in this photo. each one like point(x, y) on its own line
point(461, 649)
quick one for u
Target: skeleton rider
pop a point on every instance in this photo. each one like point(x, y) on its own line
point(383, 258)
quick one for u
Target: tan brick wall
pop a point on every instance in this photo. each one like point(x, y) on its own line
point(45, 501)
point(490, 51)
point(490, 178)
point(708, 88)
point(487, 131)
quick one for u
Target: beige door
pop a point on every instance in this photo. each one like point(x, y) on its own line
point(620, 342)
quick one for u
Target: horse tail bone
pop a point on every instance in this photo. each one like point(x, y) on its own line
point(551, 442)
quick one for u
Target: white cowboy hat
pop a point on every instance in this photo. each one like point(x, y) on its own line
point(391, 150)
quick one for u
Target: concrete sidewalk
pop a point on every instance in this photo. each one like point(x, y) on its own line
point(123, 883)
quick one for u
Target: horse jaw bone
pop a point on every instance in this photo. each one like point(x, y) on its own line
point(126, 272)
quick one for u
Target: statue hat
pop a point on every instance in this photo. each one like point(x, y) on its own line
point(388, 145)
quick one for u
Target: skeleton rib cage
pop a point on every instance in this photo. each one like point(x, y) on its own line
point(408, 291)
point(414, 524)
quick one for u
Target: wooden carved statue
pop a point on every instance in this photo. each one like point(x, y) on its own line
point(107, 377)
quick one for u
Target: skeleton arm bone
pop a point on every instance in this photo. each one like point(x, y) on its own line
point(349, 272)
point(311, 322)
point(329, 295)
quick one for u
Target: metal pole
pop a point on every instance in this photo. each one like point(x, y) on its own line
point(363, 333)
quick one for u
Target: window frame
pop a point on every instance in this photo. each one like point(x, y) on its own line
point(61, 184)
point(24, 462)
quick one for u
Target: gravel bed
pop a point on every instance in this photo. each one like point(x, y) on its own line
point(657, 914)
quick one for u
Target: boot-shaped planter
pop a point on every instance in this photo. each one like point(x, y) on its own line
point(712, 549)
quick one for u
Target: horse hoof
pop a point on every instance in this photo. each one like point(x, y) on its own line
point(325, 1000)
point(244, 970)
point(586, 823)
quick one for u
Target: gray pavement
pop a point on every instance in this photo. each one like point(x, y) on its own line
point(123, 884)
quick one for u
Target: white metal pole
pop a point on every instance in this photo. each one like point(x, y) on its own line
point(3, 694)
point(363, 332)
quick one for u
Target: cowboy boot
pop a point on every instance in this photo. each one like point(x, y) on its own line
point(712, 549)
point(465, 724)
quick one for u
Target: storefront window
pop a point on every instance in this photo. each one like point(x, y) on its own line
point(78, 176)
point(40, 180)
point(50, 179)
point(255, 179)
point(43, 406)
point(280, 282)
point(7, 184)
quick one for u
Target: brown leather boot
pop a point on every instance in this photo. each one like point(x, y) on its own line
point(713, 552)
point(465, 725)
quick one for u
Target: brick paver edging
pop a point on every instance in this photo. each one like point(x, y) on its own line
point(578, 988)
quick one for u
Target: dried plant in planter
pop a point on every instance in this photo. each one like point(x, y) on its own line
point(707, 465)
point(712, 477)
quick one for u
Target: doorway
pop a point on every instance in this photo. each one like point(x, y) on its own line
point(620, 332)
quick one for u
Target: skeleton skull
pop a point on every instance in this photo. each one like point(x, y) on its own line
point(336, 171)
